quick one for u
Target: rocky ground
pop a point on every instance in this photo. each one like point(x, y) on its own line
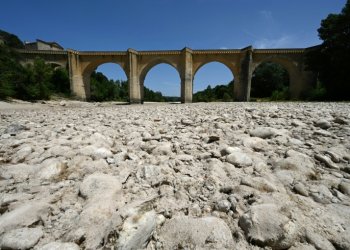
point(199, 176)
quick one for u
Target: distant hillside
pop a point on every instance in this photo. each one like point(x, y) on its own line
point(11, 40)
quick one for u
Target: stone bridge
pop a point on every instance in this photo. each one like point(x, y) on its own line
point(136, 64)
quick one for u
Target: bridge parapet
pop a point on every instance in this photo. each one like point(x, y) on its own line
point(187, 62)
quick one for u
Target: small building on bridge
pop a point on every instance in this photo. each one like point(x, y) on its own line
point(42, 45)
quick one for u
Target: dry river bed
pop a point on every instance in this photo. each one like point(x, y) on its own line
point(77, 175)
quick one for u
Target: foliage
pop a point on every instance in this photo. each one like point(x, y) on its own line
point(330, 60)
point(103, 89)
point(218, 93)
point(270, 80)
point(151, 96)
point(60, 81)
point(11, 72)
point(11, 40)
point(280, 94)
point(37, 83)
point(318, 93)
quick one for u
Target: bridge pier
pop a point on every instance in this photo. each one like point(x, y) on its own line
point(78, 83)
point(186, 76)
point(243, 83)
point(135, 88)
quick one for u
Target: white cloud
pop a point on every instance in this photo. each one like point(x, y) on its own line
point(281, 42)
point(223, 47)
point(267, 15)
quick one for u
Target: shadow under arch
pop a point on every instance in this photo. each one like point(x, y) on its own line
point(270, 80)
point(289, 65)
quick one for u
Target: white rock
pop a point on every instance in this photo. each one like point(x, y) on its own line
point(19, 172)
point(7, 198)
point(256, 143)
point(263, 132)
point(318, 241)
point(97, 219)
point(96, 152)
point(223, 206)
point(163, 149)
point(264, 225)
point(22, 154)
point(344, 187)
point(60, 246)
point(51, 169)
point(259, 183)
point(239, 159)
point(230, 150)
point(24, 215)
point(197, 233)
point(21, 238)
point(301, 189)
point(324, 124)
point(137, 231)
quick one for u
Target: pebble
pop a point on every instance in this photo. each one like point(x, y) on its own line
point(192, 176)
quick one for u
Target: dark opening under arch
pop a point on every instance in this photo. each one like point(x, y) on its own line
point(270, 80)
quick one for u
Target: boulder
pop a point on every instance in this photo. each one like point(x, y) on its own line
point(239, 159)
point(263, 132)
point(196, 233)
point(21, 238)
point(97, 219)
point(265, 226)
point(24, 215)
point(59, 246)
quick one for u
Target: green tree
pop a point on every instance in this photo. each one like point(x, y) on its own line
point(11, 72)
point(218, 93)
point(11, 40)
point(269, 78)
point(60, 81)
point(330, 60)
point(37, 83)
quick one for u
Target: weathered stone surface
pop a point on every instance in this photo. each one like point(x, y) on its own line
point(137, 231)
point(239, 159)
point(100, 175)
point(96, 220)
point(263, 132)
point(318, 241)
point(256, 144)
point(21, 238)
point(264, 225)
point(24, 215)
point(344, 187)
point(51, 169)
point(301, 189)
point(324, 124)
point(18, 172)
point(198, 233)
point(59, 246)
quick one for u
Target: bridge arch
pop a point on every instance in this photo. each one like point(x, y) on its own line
point(230, 66)
point(88, 67)
point(291, 66)
point(93, 65)
point(147, 67)
point(223, 76)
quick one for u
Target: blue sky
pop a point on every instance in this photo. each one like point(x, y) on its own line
point(169, 24)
